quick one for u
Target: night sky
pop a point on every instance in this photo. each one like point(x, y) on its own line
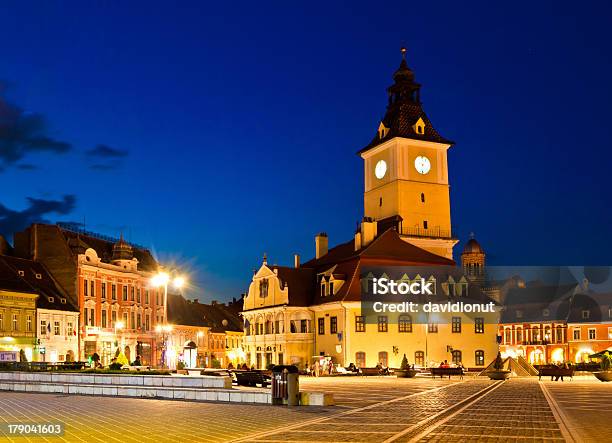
point(213, 133)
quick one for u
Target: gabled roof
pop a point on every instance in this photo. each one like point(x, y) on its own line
point(387, 246)
point(218, 317)
point(35, 280)
point(300, 282)
point(531, 301)
point(79, 242)
point(598, 306)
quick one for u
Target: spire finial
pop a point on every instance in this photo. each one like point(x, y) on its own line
point(403, 51)
point(265, 259)
point(472, 236)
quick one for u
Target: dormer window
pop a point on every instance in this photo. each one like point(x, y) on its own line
point(382, 131)
point(545, 312)
point(63, 301)
point(38, 276)
point(51, 299)
point(323, 289)
point(419, 126)
point(21, 273)
point(586, 314)
point(331, 288)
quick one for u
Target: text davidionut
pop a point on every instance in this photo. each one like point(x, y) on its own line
point(385, 286)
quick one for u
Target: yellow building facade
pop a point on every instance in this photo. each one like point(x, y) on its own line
point(18, 322)
point(301, 314)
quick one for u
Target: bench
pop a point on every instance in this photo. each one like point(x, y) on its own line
point(374, 371)
point(443, 372)
point(555, 372)
point(252, 378)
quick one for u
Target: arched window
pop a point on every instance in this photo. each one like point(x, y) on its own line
point(419, 358)
point(404, 323)
point(360, 359)
point(263, 287)
point(422, 197)
point(479, 358)
point(456, 356)
point(383, 359)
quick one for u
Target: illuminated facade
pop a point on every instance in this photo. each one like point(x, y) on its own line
point(35, 314)
point(556, 324)
point(295, 315)
point(108, 280)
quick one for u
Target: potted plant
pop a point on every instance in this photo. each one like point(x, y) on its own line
point(606, 367)
point(405, 371)
point(499, 373)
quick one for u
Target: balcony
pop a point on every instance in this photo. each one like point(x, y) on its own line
point(432, 232)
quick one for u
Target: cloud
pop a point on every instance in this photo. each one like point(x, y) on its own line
point(104, 151)
point(27, 167)
point(105, 158)
point(12, 221)
point(23, 133)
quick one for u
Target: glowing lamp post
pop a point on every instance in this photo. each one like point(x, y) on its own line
point(119, 325)
point(164, 331)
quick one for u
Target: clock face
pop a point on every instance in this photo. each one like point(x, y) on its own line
point(422, 164)
point(381, 169)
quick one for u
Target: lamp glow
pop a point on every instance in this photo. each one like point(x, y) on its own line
point(160, 279)
point(179, 282)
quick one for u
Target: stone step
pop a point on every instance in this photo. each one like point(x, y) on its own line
point(180, 381)
point(163, 392)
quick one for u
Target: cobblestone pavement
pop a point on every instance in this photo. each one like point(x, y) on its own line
point(372, 409)
point(585, 405)
point(517, 410)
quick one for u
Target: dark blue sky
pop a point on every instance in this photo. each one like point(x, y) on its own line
point(232, 130)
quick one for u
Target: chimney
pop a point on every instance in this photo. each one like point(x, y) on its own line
point(296, 260)
point(357, 240)
point(369, 231)
point(320, 244)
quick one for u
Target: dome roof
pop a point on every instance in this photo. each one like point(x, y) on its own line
point(472, 247)
point(122, 250)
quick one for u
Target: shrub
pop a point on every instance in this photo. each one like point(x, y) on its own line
point(404, 366)
point(115, 366)
point(215, 363)
point(180, 365)
point(606, 361)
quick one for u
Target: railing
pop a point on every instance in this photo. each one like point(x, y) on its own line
point(433, 232)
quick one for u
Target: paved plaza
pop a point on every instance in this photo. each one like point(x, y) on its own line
point(373, 409)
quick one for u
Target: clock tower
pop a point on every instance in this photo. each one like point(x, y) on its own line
point(406, 171)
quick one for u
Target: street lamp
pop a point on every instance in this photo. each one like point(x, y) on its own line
point(162, 279)
point(119, 325)
point(164, 331)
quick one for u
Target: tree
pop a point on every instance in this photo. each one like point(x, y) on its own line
point(122, 359)
point(404, 366)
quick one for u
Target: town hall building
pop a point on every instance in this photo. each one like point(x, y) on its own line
point(296, 315)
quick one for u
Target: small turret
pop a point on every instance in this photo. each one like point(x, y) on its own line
point(473, 260)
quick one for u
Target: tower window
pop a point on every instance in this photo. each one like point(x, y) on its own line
point(380, 202)
point(424, 224)
point(422, 197)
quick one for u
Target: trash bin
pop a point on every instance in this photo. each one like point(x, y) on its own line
point(285, 385)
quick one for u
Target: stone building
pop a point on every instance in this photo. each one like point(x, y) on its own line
point(109, 280)
point(48, 333)
point(214, 329)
